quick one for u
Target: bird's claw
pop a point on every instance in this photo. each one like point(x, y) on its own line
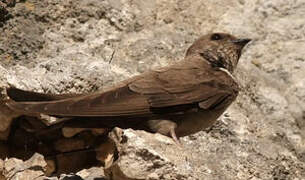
point(173, 135)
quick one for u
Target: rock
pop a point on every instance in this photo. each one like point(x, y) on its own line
point(144, 155)
point(70, 132)
point(17, 169)
point(1, 170)
point(98, 131)
point(94, 173)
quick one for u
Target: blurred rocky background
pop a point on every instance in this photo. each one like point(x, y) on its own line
point(76, 46)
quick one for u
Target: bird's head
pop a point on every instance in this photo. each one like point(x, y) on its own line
point(220, 49)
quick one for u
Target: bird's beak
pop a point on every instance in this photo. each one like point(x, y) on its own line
point(241, 42)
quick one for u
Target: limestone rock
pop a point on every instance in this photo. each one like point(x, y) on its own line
point(70, 132)
point(94, 173)
point(144, 155)
point(17, 169)
point(1, 170)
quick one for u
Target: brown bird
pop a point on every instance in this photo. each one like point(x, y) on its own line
point(175, 101)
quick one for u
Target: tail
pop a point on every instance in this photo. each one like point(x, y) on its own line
point(19, 95)
point(15, 95)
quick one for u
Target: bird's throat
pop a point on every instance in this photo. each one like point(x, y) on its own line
point(216, 60)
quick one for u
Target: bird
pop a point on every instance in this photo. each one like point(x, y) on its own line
point(177, 100)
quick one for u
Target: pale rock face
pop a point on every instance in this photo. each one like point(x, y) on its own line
point(30, 169)
point(146, 156)
point(80, 46)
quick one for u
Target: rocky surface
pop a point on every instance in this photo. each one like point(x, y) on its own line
point(37, 168)
point(81, 46)
point(16, 169)
point(145, 156)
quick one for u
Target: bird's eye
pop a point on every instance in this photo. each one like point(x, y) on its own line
point(216, 37)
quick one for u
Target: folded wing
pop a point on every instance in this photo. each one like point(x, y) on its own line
point(165, 88)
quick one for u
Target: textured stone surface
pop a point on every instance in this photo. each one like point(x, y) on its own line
point(80, 46)
point(94, 173)
point(17, 169)
point(146, 156)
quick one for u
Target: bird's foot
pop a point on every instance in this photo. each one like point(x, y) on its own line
point(173, 135)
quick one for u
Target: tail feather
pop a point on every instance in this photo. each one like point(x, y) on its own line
point(16, 96)
point(19, 95)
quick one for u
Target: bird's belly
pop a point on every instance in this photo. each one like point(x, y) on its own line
point(194, 122)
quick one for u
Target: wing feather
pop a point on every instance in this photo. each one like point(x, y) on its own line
point(180, 84)
point(118, 102)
